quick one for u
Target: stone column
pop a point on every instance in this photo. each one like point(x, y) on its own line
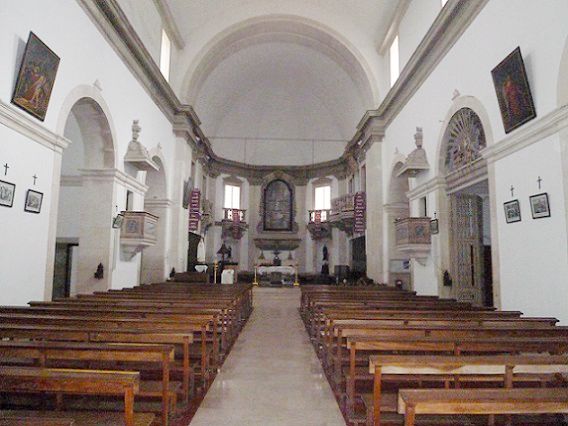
point(154, 260)
point(96, 235)
point(376, 269)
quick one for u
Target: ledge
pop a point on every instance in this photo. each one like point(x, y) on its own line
point(29, 127)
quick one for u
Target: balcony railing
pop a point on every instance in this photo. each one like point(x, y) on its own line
point(324, 215)
point(228, 214)
point(413, 236)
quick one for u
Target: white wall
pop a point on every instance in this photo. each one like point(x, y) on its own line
point(532, 254)
point(24, 236)
point(86, 57)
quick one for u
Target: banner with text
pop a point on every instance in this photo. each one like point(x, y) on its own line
point(360, 203)
point(194, 207)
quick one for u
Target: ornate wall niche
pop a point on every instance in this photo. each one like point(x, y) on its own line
point(278, 204)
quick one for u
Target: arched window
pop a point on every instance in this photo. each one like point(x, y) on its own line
point(278, 204)
point(465, 139)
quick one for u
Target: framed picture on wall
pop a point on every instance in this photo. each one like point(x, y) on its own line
point(33, 201)
point(540, 207)
point(513, 91)
point(7, 192)
point(36, 78)
point(512, 211)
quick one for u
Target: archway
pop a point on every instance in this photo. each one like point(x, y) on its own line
point(469, 208)
point(397, 208)
point(84, 238)
point(154, 258)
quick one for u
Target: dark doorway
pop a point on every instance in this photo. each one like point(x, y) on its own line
point(358, 256)
point(62, 270)
point(193, 240)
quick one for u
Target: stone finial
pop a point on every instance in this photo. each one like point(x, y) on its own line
point(135, 130)
point(418, 137)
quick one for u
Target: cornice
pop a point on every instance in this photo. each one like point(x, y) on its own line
point(115, 27)
point(532, 132)
point(450, 24)
point(436, 183)
point(29, 127)
point(452, 21)
point(115, 175)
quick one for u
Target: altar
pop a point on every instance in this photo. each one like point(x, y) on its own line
point(284, 270)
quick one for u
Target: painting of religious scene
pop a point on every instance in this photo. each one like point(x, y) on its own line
point(278, 206)
point(513, 91)
point(36, 78)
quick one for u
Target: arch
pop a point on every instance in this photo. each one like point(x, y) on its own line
point(278, 192)
point(460, 102)
point(273, 28)
point(83, 92)
point(469, 185)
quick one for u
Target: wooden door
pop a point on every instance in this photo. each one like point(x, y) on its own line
point(466, 248)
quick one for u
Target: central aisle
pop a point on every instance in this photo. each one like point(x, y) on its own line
point(272, 375)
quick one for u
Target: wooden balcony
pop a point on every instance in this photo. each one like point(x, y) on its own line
point(232, 228)
point(342, 214)
point(138, 231)
point(413, 237)
point(322, 229)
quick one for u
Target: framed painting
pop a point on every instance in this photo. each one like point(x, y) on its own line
point(36, 78)
point(540, 207)
point(33, 201)
point(513, 91)
point(512, 211)
point(7, 192)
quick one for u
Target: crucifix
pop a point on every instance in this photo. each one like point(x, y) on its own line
point(35, 178)
point(6, 167)
point(539, 180)
point(512, 191)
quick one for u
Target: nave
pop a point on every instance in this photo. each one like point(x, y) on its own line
point(272, 376)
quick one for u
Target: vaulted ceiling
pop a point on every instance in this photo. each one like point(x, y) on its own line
point(287, 81)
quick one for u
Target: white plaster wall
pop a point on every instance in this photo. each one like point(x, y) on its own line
point(124, 100)
point(24, 235)
point(533, 261)
point(147, 23)
point(416, 22)
point(500, 27)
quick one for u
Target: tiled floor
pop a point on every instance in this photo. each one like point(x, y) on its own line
point(272, 376)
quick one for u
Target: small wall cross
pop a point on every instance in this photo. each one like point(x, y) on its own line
point(6, 167)
point(512, 191)
point(35, 178)
point(539, 180)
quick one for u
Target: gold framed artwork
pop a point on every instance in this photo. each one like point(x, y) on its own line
point(513, 91)
point(36, 78)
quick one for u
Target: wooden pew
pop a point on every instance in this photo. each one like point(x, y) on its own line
point(45, 353)
point(86, 382)
point(98, 335)
point(481, 402)
point(454, 367)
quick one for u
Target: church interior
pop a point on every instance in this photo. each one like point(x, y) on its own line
point(284, 212)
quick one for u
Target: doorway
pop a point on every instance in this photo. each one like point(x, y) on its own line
point(470, 244)
point(65, 269)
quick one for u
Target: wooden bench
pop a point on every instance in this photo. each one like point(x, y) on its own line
point(482, 401)
point(50, 354)
point(86, 382)
point(98, 335)
point(504, 367)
